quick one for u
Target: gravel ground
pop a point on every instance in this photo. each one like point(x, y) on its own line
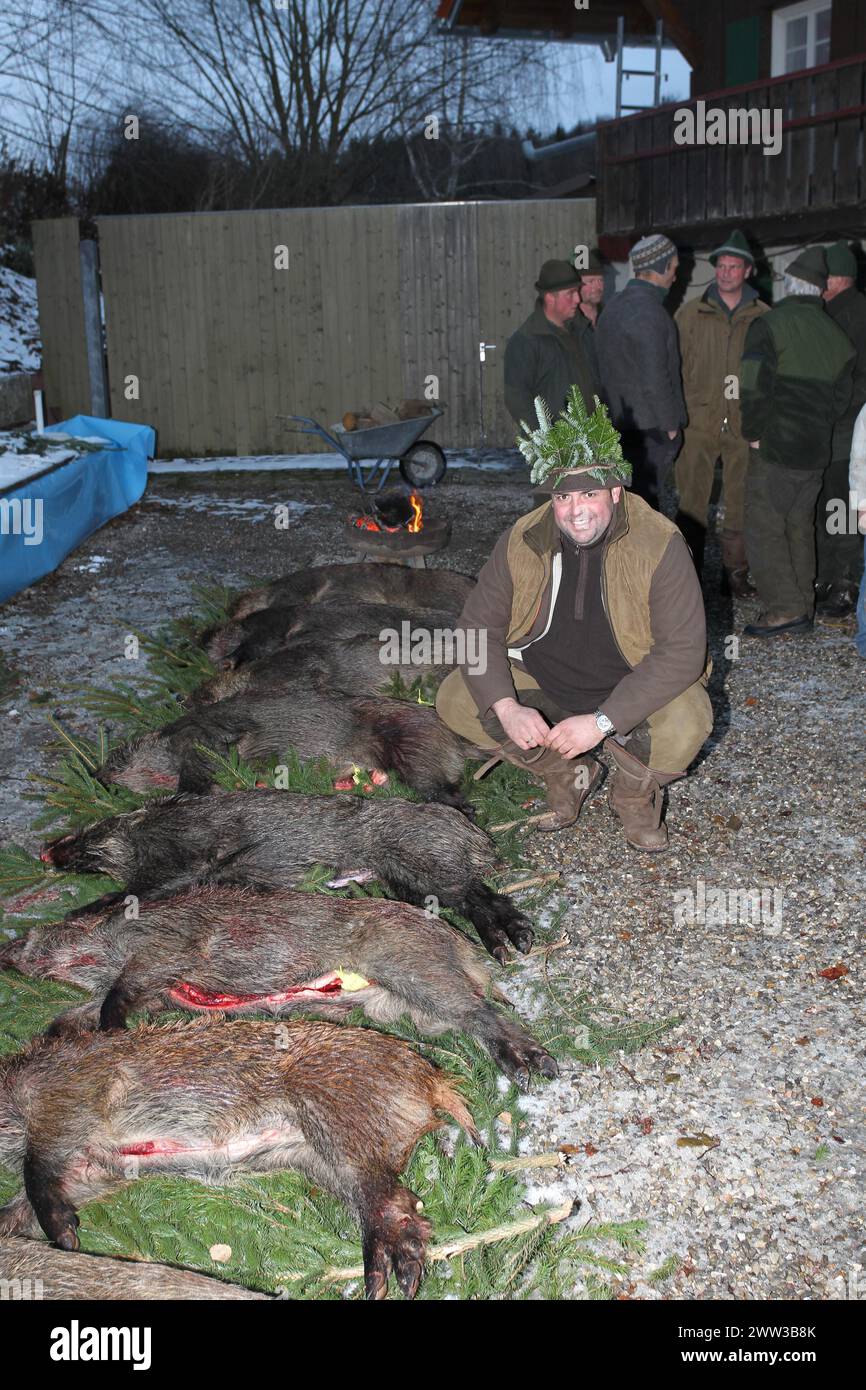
point(764, 1066)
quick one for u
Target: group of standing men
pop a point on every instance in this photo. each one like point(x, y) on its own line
point(773, 392)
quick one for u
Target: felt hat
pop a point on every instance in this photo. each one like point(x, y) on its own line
point(596, 265)
point(841, 260)
point(734, 244)
point(557, 275)
point(810, 265)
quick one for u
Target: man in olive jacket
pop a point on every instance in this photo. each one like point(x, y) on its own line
point(553, 349)
point(840, 554)
point(795, 383)
point(712, 334)
point(593, 620)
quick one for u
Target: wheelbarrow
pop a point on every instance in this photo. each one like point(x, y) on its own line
point(379, 448)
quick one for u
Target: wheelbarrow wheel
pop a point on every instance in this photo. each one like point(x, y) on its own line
point(423, 465)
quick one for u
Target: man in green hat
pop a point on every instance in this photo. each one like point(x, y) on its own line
point(553, 349)
point(795, 383)
point(712, 334)
point(840, 554)
point(595, 635)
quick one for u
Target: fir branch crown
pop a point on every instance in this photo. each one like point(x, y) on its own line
point(574, 441)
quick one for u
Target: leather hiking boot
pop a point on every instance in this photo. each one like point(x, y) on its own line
point(636, 797)
point(568, 781)
point(735, 566)
point(841, 601)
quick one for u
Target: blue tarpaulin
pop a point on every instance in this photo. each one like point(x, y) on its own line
point(45, 518)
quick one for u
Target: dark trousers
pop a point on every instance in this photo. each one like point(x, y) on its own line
point(780, 536)
point(650, 454)
point(840, 554)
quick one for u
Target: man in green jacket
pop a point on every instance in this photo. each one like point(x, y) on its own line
point(594, 632)
point(840, 554)
point(553, 349)
point(795, 383)
point(712, 334)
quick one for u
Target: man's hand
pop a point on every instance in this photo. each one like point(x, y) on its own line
point(574, 736)
point(755, 444)
point(672, 434)
point(861, 521)
point(524, 726)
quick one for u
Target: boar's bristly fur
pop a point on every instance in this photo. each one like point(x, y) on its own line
point(240, 951)
point(422, 852)
point(63, 1275)
point(343, 1106)
point(267, 630)
point(388, 735)
point(362, 582)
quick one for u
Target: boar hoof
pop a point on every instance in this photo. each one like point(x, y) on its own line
point(395, 1240)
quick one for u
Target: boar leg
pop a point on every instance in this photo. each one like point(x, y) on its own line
point(43, 1185)
point(514, 1051)
point(83, 1019)
point(394, 1241)
point(17, 1218)
point(130, 991)
point(98, 905)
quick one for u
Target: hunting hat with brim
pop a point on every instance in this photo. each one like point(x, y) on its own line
point(735, 244)
point(841, 260)
point(596, 266)
point(810, 265)
point(578, 451)
point(557, 275)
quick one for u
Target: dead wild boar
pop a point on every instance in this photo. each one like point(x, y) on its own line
point(375, 734)
point(64, 1275)
point(237, 951)
point(264, 632)
point(80, 1116)
point(353, 668)
point(360, 582)
point(271, 839)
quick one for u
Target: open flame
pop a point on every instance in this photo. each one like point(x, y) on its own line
point(417, 506)
point(416, 524)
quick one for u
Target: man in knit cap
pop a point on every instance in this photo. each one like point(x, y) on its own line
point(712, 333)
point(795, 383)
point(595, 635)
point(553, 349)
point(840, 554)
point(639, 363)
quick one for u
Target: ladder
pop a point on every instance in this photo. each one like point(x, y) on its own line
point(655, 72)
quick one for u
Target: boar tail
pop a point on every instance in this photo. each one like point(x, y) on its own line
point(446, 1097)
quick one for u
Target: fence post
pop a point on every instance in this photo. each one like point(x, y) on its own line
point(99, 398)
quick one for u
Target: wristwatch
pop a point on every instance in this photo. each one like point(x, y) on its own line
point(605, 725)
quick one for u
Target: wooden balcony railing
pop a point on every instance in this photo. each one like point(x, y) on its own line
point(647, 181)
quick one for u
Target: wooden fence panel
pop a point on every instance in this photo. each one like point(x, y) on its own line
point(61, 316)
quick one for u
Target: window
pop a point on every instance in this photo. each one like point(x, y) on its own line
point(801, 36)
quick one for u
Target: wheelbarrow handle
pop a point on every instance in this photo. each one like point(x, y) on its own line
point(311, 427)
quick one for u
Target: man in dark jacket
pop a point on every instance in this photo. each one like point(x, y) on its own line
point(593, 620)
point(550, 352)
point(639, 364)
point(795, 383)
point(840, 554)
point(591, 288)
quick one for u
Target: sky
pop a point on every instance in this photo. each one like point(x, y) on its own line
point(594, 92)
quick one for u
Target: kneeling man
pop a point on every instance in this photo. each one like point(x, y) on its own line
point(595, 634)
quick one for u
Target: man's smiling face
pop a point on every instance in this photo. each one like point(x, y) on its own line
point(585, 516)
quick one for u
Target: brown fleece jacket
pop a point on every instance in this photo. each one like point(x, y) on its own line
point(650, 593)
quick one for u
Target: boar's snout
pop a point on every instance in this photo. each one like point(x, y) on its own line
point(58, 852)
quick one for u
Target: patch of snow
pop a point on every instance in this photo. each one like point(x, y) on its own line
point(495, 461)
point(20, 346)
point(234, 506)
point(93, 564)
